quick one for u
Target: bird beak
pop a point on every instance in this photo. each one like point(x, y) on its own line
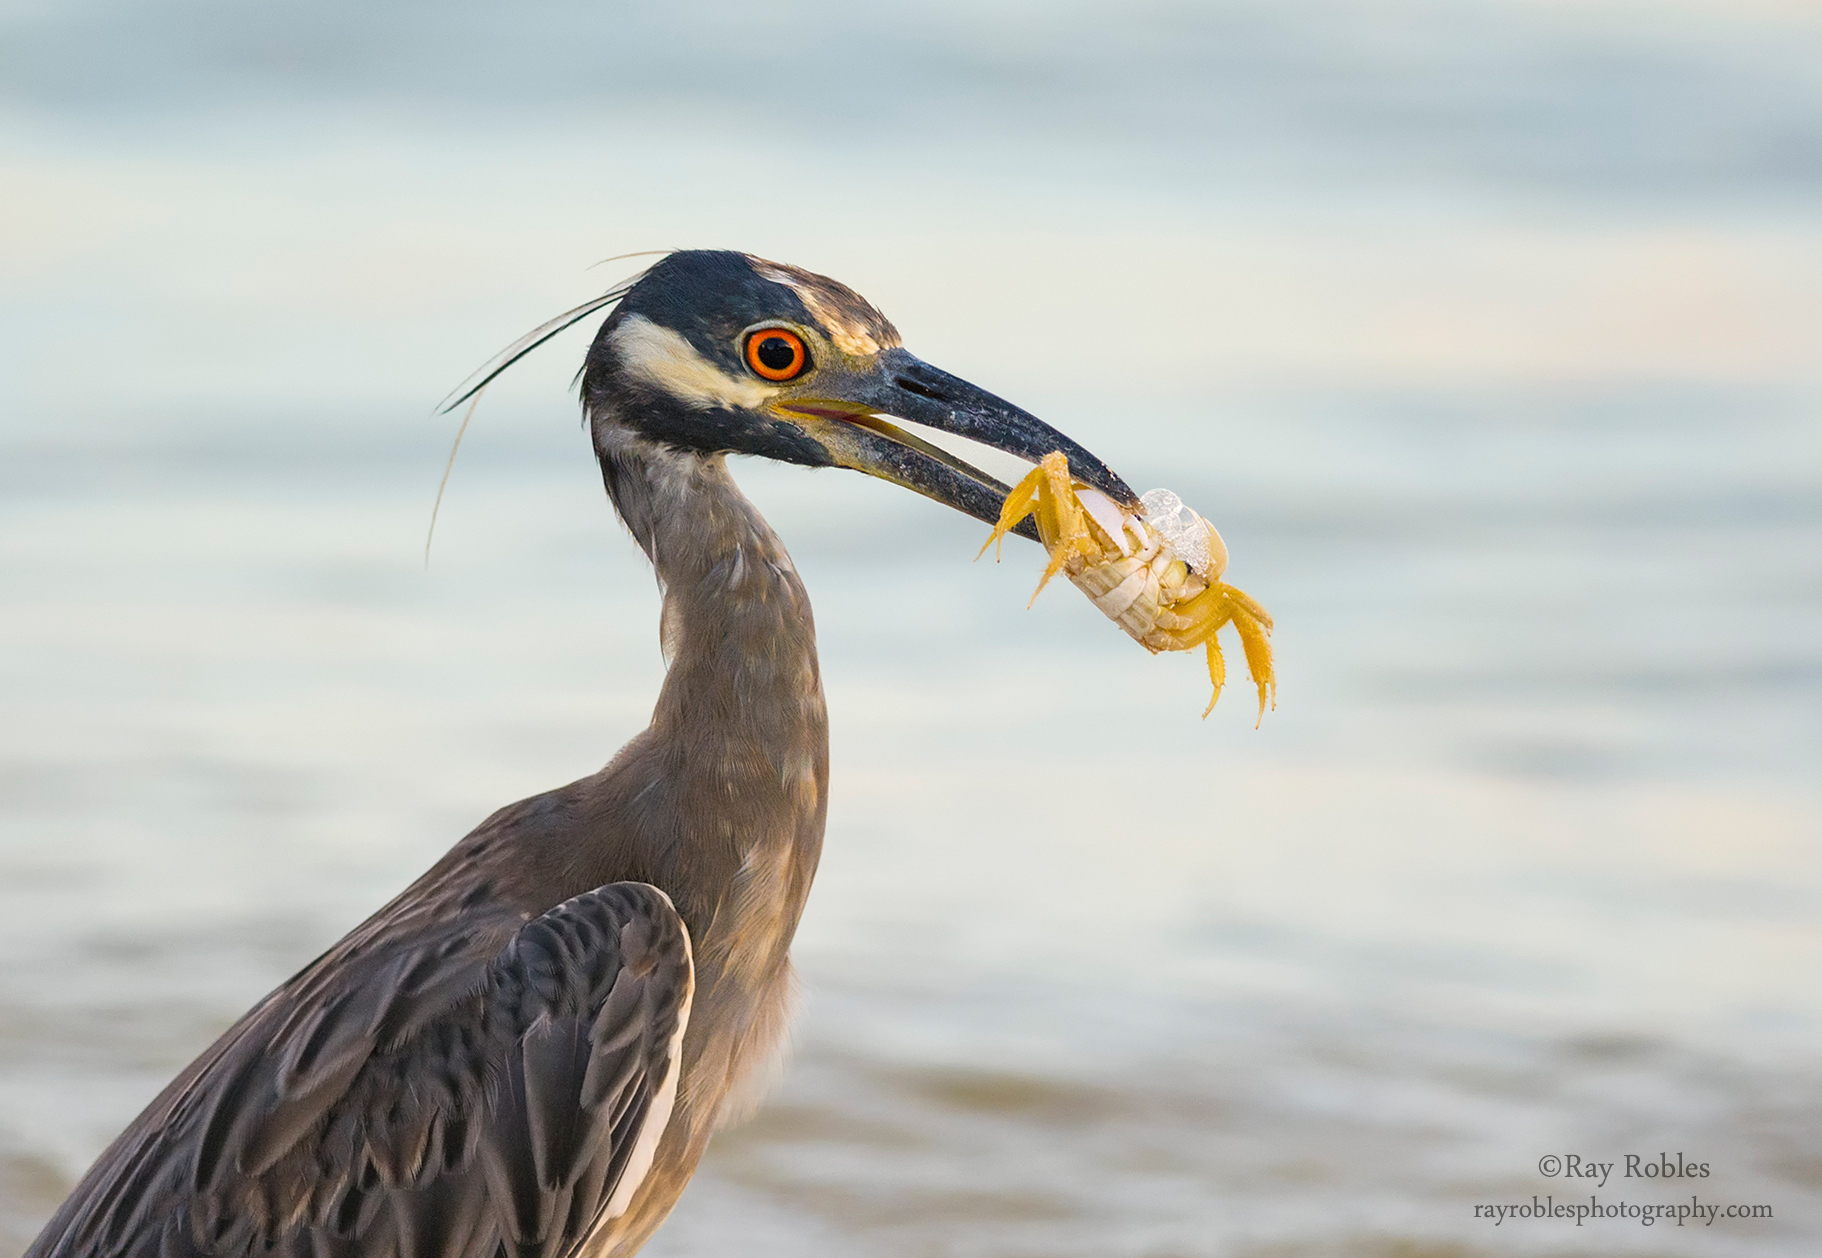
point(851, 413)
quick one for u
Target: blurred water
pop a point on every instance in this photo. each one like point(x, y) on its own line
point(1485, 333)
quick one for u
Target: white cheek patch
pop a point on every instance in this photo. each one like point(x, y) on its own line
point(661, 357)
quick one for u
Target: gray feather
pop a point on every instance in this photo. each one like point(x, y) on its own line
point(443, 1104)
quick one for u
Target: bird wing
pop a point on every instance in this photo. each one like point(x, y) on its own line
point(466, 1089)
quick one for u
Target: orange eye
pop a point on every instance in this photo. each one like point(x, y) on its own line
point(776, 354)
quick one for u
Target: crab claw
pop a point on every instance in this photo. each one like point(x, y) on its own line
point(1144, 587)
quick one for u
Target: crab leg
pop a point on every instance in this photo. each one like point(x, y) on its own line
point(1149, 591)
point(1258, 660)
point(1019, 504)
point(1217, 673)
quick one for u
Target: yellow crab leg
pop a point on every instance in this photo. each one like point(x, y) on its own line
point(1258, 661)
point(1062, 522)
point(1192, 623)
point(1049, 494)
point(1078, 543)
point(1206, 615)
point(1248, 606)
point(1217, 673)
point(1019, 504)
point(1052, 524)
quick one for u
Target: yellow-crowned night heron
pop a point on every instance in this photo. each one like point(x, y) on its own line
point(525, 1053)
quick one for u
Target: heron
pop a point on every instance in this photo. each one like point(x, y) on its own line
point(527, 1051)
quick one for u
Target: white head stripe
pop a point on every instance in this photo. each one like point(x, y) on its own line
point(848, 336)
point(664, 358)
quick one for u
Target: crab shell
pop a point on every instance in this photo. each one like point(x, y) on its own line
point(1139, 589)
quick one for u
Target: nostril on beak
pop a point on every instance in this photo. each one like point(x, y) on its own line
point(918, 390)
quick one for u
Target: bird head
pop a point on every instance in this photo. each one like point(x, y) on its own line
point(719, 352)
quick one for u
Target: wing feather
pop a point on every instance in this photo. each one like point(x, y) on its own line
point(429, 1089)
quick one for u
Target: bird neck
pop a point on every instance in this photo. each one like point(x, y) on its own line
point(737, 632)
point(731, 783)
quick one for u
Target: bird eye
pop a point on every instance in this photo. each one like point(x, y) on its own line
point(776, 354)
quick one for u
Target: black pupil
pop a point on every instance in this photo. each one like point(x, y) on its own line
point(776, 353)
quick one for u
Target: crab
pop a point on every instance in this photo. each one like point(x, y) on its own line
point(1156, 574)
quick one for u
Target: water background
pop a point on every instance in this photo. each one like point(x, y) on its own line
point(1486, 332)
